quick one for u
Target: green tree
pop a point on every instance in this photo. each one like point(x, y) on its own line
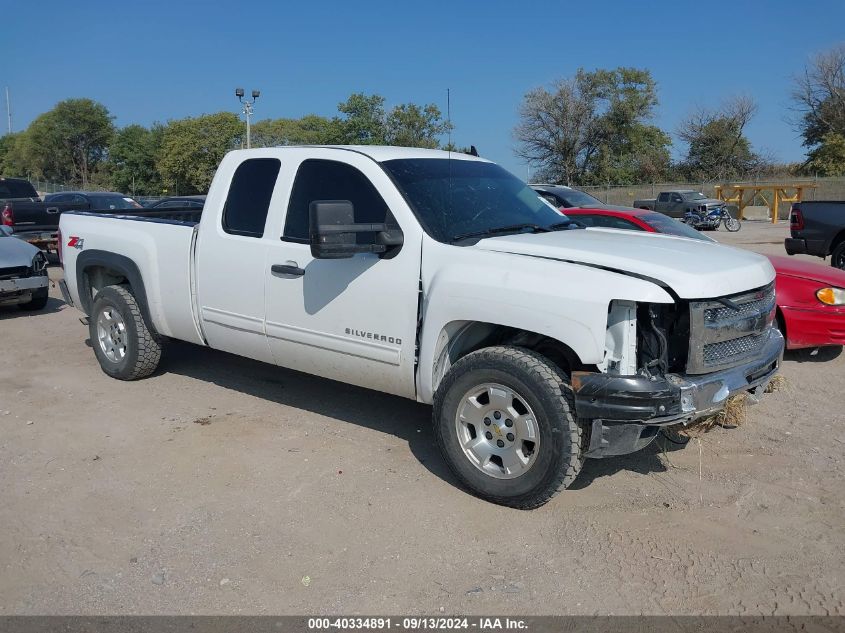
point(593, 128)
point(409, 125)
point(68, 143)
point(309, 130)
point(132, 158)
point(718, 148)
point(828, 158)
point(192, 148)
point(819, 101)
point(7, 152)
point(363, 122)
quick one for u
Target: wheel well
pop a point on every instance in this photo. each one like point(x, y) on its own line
point(95, 278)
point(836, 241)
point(781, 322)
point(464, 338)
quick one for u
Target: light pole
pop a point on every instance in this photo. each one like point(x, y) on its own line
point(248, 106)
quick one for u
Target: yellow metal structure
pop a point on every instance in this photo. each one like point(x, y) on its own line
point(744, 195)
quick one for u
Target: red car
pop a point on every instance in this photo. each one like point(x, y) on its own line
point(810, 297)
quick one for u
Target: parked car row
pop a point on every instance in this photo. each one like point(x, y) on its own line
point(36, 221)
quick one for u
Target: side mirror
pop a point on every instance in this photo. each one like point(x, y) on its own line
point(334, 233)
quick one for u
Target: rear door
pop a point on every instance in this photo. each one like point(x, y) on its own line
point(230, 257)
point(354, 319)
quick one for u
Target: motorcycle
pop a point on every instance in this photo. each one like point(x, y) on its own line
point(709, 219)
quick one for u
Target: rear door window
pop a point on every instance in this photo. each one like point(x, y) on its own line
point(10, 189)
point(248, 202)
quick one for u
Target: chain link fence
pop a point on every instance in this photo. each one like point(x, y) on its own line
point(44, 187)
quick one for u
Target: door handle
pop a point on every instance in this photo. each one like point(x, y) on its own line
point(287, 269)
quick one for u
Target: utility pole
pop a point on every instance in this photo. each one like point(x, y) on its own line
point(248, 109)
point(8, 109)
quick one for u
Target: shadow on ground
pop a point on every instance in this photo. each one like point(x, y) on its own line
point(406, 419)
point(403, 418)
point(11, 312)
point(817, 355)
point(644, 462)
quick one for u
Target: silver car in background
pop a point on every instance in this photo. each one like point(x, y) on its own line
point(23, 273)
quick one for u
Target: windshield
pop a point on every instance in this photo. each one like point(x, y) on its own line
point(695, 196)
point(575, 198)
point(453, 198)
point(664, 224)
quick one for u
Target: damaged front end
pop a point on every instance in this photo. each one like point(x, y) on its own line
point(689, 358)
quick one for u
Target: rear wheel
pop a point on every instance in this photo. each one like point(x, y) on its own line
point(732, 224)
point(504, 418)
point(837, 257)
point(123, 343)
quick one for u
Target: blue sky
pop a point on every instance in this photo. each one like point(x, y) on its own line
point(153, 61)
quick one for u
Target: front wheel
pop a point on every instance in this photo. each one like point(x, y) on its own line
point(732, 224)
point(504, 419)
point(123, 343)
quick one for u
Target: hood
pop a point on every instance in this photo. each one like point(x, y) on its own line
point(15, 252)
point(822, 273)
point(693, 269)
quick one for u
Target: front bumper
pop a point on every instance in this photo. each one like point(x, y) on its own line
point(627, 411)
point(19, 290)
point(795, 246)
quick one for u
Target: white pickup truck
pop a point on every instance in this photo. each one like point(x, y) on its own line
point(443, 278)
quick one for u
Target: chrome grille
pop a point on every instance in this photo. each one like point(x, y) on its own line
point(725, 332)
point(745, 309)
point(717, 352)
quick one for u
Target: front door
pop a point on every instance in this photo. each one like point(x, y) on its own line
point(353, 319)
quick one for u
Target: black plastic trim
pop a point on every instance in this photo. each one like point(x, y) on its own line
point(626, 398)
point(118, 263)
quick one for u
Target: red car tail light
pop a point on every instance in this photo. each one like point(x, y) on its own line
point(7, 218)
point(796, 219)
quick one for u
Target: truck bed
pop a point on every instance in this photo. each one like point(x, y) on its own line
point(160, 247)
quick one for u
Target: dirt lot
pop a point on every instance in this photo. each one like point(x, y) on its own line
point(221, 485)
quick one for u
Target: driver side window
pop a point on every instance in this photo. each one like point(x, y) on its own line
point(330, 180)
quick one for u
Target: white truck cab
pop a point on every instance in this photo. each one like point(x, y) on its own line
point(443, 278)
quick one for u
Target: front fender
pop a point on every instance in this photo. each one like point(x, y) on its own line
point(564, 301)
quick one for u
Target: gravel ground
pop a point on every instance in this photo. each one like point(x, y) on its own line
point(221, 485)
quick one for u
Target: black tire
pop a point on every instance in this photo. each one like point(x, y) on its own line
point(732, 225)
point(544, 387)
point(141, 348)
point(837, 257)
point(38, 301)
